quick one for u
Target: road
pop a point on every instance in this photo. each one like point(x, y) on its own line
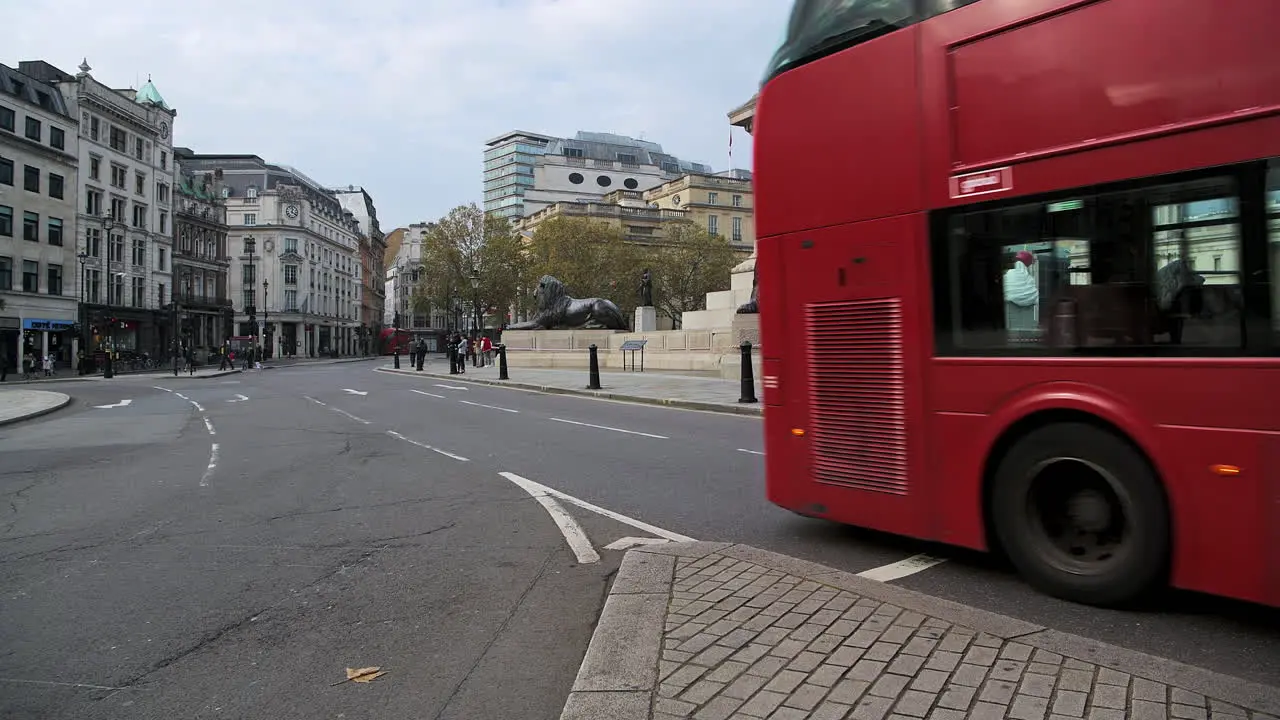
point(354, 518)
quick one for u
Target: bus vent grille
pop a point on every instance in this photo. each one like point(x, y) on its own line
point(857, 395)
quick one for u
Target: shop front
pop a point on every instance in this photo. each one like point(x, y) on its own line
point(43, 337)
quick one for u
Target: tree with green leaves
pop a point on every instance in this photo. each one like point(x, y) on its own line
point(689, 264)
point(591, 258)
point(470, 262)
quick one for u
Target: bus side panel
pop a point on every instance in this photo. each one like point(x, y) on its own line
point(853, 380)
point(1166, 408)
point(839, 141)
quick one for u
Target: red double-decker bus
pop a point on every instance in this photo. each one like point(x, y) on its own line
point(396, 340)
point(1018, 283)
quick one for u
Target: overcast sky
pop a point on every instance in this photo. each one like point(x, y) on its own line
point(400, 95)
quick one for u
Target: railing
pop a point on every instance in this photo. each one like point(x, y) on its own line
point(201, 299)
point(603, 210)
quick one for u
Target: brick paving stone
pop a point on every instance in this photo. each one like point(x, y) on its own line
point(744, 641)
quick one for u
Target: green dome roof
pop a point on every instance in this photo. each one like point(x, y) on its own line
point(148, 94)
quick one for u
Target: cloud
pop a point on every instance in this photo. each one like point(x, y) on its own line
point(399, 96)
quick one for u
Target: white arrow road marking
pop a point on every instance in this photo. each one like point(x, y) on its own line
point(355, 392)
point(424, 392)
point(213, 464)
point(239, 398)
point(637, 524)
point(451, 387)
point(573, 533)
point(902, 568)
point(630, 542)
point(606, 427)
point(491, 407)
point(752, 452)
point(425, 446)
point(122, 403)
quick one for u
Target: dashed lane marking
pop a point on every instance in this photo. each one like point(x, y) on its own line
point(213, 465)
point(606, 427)
point(424, 392)
point(425, 446)
point(750, 452)
point(491, 407)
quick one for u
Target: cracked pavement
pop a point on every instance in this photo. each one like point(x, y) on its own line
point(128, 590)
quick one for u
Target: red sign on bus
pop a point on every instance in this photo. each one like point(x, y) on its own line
point(983, 182)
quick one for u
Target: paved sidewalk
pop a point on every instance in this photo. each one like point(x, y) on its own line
point(718, 631)
point(19, 405)
point(686, 391)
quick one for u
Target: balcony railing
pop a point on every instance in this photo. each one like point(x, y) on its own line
point(196, 298)
point(605, 210)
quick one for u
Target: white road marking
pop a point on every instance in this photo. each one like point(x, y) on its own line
point(606, 427)
point(213, 464)
point(355, 392)
point(752, 452)
point(229, 382)
point(362, 421)
point(491, 407)
point(424, 392)
point(54, 683)
point(239, 398)
point(902, 568)
point(196, 405)
point(184, 397)
point(315, 401)
point(122, 403)
point(638, 524)
point(208, 424)
point(630, 542)
point(157, 387)
point(451, 387)
point(425, 446)
point(573, 533)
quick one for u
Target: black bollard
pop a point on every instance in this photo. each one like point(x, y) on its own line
point(108, 371)
point(395, 354)
point(453, 359)
point(748, 375)
point(593, 381)
point(502, 363)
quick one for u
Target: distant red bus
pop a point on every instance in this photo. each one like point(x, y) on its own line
point(1018, 283)
point(393, 339)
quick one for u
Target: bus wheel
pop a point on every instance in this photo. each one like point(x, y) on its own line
point(1081, 515)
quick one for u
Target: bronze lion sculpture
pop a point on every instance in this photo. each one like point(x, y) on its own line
point(558, 311)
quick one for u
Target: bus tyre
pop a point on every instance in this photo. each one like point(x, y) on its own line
point(1081, 515)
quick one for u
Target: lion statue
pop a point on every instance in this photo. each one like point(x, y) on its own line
point(558, 311)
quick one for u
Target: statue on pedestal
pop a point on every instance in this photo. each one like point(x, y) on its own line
point(752, 306)
point(557, 311)
point(646, 289)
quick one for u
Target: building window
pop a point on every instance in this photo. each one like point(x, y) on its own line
point(94, 127)
point(30, 276)
point(117, 289)
point(160, 288)
point(31, 226)
point(737, 201)
point(139, 184)
point(251, 191)
point(713, 224)
point(737, 229)
point(164, 160)
point(117, 209)
point(573, 152)
point(246, 297)
point(290, 274)
point(630, 184)
point(93, 242)
point(604, 181)
point(576, 178)
point(119, 140)
point(95, 168)
point(6, 118)
point(246, 275)
point(162, 192)
point(164, 223)
point(6, 273)
point(119, 175)
point(291, 245)
point(6, 171)
point(55, 186)
point(57, 138)
point(33, 129)
point(140, 216)
point(31, 178)
point(291, 301)
point(712, 198)
point(6, 221)
point(139, 149)
point(95, 286)
point(162, 259)
point(116, 249)
point(92, 202)
point(53, 229)
point(139, 254)
point(250, 218)
point(138, 290)
point(53, 279)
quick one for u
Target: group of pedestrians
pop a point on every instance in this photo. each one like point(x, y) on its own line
point(32, 367)
point(463, 350)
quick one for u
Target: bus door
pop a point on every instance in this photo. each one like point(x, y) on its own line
point(854, 294)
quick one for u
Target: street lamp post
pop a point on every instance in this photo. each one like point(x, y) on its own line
point(266, 344)
point(109, 224)
point(84, 314)
point(475, 300)
point(249, 245)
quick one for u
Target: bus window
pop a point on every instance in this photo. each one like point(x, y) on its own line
point(821, 27)
point(1148, 271)
point(1273, 244)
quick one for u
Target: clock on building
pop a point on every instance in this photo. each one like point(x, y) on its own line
point(164, 130)
point(291, 212)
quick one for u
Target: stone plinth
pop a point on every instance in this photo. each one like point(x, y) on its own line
point(646, 318)
point(746, 328)
point(722, 305)
point(703, 351)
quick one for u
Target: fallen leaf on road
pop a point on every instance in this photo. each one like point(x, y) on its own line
point(364, 675)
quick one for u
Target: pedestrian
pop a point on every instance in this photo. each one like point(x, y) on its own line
point(486, 349)
point(462, 355)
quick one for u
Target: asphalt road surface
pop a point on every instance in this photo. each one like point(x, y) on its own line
point(351, 518)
